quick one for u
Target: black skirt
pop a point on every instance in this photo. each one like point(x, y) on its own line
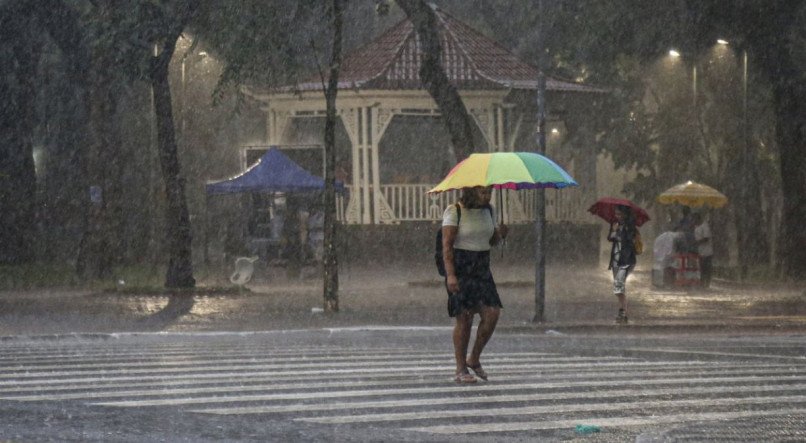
point(476, 284)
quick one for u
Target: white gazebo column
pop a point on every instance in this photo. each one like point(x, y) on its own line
point(363, 133)
point(379, 120)
point(350, 119)
point(493, 122)
point(276, 123)
point(484, 120)
point(500, 135)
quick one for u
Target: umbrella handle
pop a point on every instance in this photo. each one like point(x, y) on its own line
point(501, 210)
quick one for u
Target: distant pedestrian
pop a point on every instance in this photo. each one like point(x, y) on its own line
point(622, 256)
point(663, 250)
point(468, 232)
point(705, 247)
point(687, 226)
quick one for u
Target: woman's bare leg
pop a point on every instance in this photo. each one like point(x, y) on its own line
point(461, 339)
point(622, 302)
point(489, 319)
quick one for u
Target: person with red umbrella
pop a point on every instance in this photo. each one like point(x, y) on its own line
point(624, 217)
point(623, 234)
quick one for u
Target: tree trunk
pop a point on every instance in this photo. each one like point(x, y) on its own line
point(432, 74)
point(19, 47)
point(100, 243)
point(177, 219)
point(68, 196)
point(776, 56)
point(330, 262)
point(790, 105)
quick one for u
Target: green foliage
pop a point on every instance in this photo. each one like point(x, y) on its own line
point(267, 43)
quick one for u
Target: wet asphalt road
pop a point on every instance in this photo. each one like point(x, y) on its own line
point(407, 295)
point(394, 384)
point(692, 365)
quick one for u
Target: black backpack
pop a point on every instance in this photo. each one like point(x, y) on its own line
point(438, 257)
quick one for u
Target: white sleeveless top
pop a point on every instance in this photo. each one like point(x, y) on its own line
point(476, 230)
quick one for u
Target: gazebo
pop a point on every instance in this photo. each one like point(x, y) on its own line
point(380, 83)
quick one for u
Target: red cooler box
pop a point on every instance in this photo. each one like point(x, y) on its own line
point(686, 270)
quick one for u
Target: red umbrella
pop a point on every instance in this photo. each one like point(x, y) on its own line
point(605, 207)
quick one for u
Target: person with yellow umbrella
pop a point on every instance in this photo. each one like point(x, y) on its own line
point(698, 234)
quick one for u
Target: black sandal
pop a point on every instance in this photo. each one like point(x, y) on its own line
point(480, 373)
point(464, 377)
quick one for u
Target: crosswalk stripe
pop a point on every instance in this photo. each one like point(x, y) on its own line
point(166, 391)
point(609, 422)
point(146, 353)
point(134, 351)
point(340, 367)
point(254, 360)
point(625, 393)
point(327, 372)
point(94, 349)
point(556, 409)
point(387, 378)
point(257, 364)
point(411, 389)
point(128, 356)
point(801, 358)
point(433, 390)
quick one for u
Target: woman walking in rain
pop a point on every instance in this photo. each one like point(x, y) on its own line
point(468, 232)
point(622, 255)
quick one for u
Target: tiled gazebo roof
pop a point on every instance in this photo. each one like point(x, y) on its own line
point(471, 61)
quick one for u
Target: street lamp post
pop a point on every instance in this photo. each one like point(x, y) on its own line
point(676, 54)
point(747, 166)
point(540, 202)
point(746, 172)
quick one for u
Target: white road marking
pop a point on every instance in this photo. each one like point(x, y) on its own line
point(625, 393)
point(390, 378)
point(281, 369)
point(160, 363)
point(224, 352)
point(609, 422)
point(433, 390)
point(164, 389)
point(801, 358)
point(557, 409)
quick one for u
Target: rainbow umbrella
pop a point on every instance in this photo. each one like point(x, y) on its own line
point(506, 170)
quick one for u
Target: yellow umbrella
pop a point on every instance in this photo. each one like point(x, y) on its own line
point(693, 195)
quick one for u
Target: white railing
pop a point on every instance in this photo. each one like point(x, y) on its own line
point(341, 204)
point(561, 205)
point(410, 202)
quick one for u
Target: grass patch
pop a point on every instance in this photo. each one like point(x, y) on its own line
point(130, 280)
point(161, 290)
point(37, 275)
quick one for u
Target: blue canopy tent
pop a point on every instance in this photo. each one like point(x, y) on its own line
point(273, 172)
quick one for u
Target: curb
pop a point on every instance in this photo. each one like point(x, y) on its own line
point(682, 327)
